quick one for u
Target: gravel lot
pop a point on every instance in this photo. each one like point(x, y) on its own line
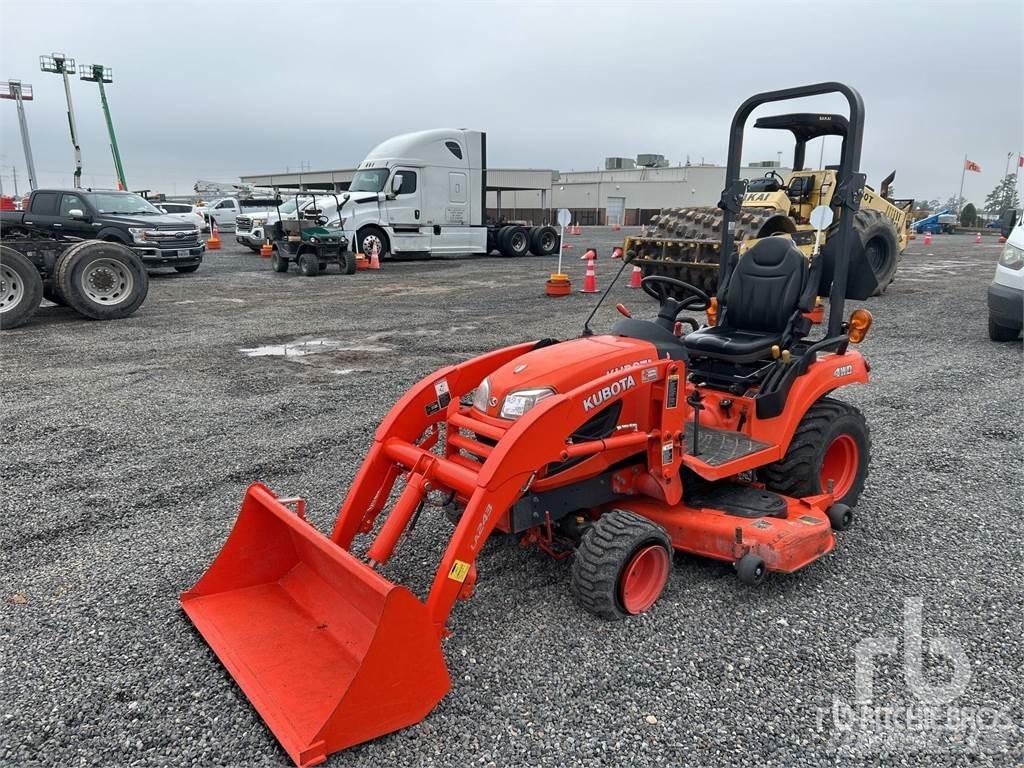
point(127, 447)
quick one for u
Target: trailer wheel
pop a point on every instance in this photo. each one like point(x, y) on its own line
point(309, 264)
point(278, 262)
point(544, 241)
point(514, 241)
point(368, 236)
point(21, 288)
point(102, 280)
point(621, 565)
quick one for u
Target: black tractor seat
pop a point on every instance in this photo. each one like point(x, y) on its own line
point(765, 296)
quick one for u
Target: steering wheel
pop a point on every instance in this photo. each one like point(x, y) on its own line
point(665, 290)
point(776, 175)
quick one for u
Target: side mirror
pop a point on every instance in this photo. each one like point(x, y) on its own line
point(345, 197)
point(76, 213)
point(396, 184)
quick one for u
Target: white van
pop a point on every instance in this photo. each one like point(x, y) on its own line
point(1006, 293)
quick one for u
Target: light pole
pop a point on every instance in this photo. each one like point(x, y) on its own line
point(60, 64)
point(22, 92)
point(97, 73)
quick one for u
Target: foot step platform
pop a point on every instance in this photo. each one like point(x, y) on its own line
point(720, 446)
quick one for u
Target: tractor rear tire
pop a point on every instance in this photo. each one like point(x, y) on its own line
point(309, 264)
point(621, 565)
point(102, 280)
point(514, 241)
point(833, 442)
point(881, 245)
point(21, 288)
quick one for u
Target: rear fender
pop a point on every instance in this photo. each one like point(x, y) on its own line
point(828, 373)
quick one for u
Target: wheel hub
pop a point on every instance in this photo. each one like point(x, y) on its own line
point(106, 281)
point(644, 578)
point(839, 465)
point(11, 289)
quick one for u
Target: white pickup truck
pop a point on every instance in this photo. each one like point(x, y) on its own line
point(225, 210)
point(425, 193)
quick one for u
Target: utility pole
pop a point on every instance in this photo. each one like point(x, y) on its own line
point(20, 93)
point(60, 64)
point(97, 73)
point(14, 172)
point(960, 197)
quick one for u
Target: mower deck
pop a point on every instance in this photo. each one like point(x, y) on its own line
point(785, 543)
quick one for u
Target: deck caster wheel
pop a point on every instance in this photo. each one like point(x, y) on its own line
point(751, 570)
point(840, 516)
point(622, 565)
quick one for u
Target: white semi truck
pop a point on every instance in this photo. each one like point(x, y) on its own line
point(425, 193)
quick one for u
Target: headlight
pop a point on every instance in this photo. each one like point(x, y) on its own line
point(518, 403)
point(138, 234)
point(1013, 257)
point(313, 240)
point(482, 395)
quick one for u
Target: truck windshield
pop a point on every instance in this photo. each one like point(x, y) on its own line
point(369, 181)
point(122, 202)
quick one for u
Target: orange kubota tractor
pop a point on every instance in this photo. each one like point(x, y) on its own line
point(723, 442)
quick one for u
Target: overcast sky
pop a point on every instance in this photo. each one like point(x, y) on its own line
point(217, 88)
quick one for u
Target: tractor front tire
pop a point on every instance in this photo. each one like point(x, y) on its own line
point(832, 442)
point(21, 288)
point(621, 565)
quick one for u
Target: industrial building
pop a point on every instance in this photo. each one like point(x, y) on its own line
point(628, 196)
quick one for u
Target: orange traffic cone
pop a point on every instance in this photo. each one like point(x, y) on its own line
point(213, 244)
point(374, 258)
point(266, 250)
point(616, 253)
point(977, 237)
point(590, 279)
point(636, 277)
point(927, 238)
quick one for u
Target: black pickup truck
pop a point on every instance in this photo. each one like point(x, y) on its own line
point(121, 217)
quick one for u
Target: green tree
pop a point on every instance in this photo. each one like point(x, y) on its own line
point(969, 216)
point(1003, 197)
point(955, 203)
point(926, 205)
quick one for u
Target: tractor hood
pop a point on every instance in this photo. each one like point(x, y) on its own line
point(560, 368)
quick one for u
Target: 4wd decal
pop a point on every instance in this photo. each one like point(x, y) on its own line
point(843, 370)
point(614, 389)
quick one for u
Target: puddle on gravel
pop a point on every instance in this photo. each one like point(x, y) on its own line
point(305, 347)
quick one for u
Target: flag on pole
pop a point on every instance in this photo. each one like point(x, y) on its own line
point(970, 165)
point(1020, 161)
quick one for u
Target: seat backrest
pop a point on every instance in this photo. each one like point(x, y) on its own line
point(766, 286)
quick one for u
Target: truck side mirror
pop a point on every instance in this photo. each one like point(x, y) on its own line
point(345, 198)
point(396, 184)
point(76, 213)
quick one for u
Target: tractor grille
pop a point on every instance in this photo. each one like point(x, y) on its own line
point(243, 224)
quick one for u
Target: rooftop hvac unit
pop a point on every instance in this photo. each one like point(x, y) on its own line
point(618, 163)
point(651, 161)
point(766, 164)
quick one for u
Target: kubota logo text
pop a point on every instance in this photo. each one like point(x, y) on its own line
point(614, 389)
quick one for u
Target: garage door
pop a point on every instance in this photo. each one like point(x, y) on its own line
point(616, 210)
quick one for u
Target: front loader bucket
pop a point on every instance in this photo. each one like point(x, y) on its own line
point(329, 652)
